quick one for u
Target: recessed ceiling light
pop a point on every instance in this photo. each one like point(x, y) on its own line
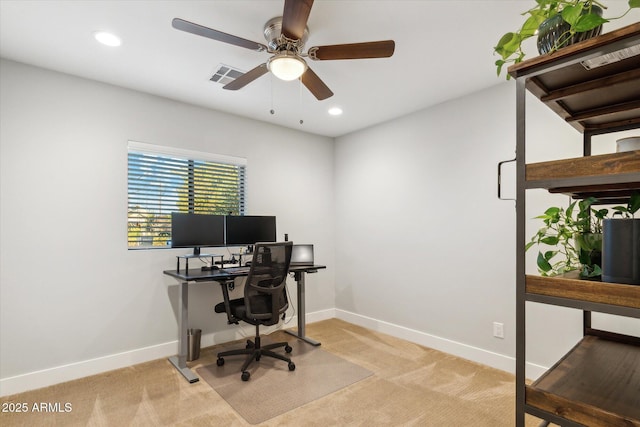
point(107, 39)
point(335, 111)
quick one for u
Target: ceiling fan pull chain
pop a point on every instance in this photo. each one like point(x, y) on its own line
point(300, 100)
point(272, 111)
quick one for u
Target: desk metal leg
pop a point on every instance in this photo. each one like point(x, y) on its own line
point(299, 276)
point(180, 361)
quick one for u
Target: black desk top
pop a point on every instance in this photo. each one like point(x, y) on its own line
point(229, 273)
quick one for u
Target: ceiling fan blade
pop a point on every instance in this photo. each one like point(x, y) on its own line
point(315, 85)
point(199, 30)
point(247, 77)
point(380, 49)
point(295, 17)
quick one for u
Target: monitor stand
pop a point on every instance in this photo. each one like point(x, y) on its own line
point(197, 254)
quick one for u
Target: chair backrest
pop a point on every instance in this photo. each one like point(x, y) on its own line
point(265, 295)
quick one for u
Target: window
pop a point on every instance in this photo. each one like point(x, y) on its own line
point(162, 180)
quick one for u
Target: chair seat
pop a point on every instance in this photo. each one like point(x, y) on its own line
point(233, 304)
point(239, 309)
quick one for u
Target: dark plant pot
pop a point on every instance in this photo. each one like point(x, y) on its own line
point(621, 251)
point(553, 33)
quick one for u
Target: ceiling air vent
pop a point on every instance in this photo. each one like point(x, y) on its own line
point(225, 74)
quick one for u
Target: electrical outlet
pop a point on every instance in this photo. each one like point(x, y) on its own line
point(498, 330)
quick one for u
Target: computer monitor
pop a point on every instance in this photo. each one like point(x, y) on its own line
point(195, 231)
point(248, 229)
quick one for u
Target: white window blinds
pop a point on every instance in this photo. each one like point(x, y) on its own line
point(162, 180)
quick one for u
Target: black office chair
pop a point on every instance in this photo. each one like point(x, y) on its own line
point(264, 302)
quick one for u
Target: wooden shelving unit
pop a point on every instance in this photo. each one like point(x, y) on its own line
point(595, 87)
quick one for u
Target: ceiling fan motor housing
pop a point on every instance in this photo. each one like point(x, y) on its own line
point(278, 42)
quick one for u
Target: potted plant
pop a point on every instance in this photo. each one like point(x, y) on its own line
point(557, 23)
point(576, 242)
point(621, 244)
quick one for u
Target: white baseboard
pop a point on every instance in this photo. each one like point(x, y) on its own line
point(317, 316)
point(72, 371)
point(535, 371)
point(465, 351)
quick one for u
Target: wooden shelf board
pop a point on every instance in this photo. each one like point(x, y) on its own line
point(585, 290)
point(595, 384)
point(609, 166)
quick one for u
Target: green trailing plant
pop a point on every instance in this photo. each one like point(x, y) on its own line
point(573, 237)
point(589, 219)
point(555, 233)
point(630, 210)
point(588, 238)
point(580, 15)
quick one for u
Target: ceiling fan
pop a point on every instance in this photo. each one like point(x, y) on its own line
point(286, 36)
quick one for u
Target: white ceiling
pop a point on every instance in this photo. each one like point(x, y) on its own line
point(443, 51)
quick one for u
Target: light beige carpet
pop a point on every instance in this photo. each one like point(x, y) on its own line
point(273, 389)
point(411, 385)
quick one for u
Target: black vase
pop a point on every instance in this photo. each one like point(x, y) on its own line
point(621, 251)
point(553, 33)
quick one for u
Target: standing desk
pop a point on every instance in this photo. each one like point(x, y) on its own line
point(224, 277)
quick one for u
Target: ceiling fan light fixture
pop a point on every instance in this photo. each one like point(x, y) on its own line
point(286, 66)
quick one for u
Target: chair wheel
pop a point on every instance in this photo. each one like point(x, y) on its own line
point(292, 366)
point(220, 361)
point(245, 375)
point(288, 349)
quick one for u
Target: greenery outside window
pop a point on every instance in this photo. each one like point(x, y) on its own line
point(162, 180)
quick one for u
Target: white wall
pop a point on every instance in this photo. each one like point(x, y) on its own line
point(426, 251)
point(404, 214)
point(73, 299)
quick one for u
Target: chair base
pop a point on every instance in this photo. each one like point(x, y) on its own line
point(254, 351)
